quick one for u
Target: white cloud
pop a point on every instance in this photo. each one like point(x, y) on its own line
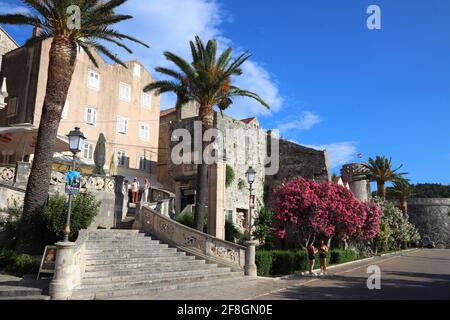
point(304, 122)
point(169, 25)
point(339, 153)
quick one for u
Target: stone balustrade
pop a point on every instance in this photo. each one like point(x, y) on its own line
point(198, 243)
point(7, 174)
point(70, 266)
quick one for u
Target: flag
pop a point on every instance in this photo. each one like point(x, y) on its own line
point(360, 155)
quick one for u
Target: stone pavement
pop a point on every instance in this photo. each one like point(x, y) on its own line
point(26, 288)
point(420, 274)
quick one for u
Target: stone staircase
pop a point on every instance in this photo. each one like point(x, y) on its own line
point(121, 263)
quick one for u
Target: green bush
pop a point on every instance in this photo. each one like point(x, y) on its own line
point(338, 256)
point(188, 220)
point(229, 176)
point(263, 226)
point(232, 233)
point(279, 262)
point(84, 209)
point(283, 262)
point(264, 261)
point(19, 265)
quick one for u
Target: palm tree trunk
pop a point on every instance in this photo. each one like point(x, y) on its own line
point(61, 66)
point(404, 206)
point(206, 115)
point(381, 190)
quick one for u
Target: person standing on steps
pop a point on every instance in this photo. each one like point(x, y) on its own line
point(135, 190)
point(311, 255)
point(323, 249)
point(146, 189)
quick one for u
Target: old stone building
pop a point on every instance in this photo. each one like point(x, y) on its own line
point(7, 44)
point(245, 144)
point(108, 99)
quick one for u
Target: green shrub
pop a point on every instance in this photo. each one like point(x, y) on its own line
point(338, 256)
point(6, 257)
point(19, 265)
point(301, 261)
point(264, 261)
point(232, 233)
point(24, 264)
point(84, 209)
point(188, 220)
point(9, 226)
point(283, 262)
point(263, 226)
point(229, 176)
point(241, 184)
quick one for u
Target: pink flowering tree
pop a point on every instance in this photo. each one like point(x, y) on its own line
point(305, 209)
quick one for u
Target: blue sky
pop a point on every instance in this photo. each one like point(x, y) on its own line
point(331, 81)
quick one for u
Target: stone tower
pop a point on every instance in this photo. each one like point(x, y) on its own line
point(7, 44)
point(360, 188)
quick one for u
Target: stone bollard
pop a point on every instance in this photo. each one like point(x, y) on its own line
point(62, 283)
point(250, 265)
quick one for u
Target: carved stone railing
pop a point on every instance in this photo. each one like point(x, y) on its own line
point(98, 183)
point(7, 174)
point(198, 243)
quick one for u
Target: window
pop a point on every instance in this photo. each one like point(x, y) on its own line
point(12, 107)
point(93, 79)
point(90, 116)
point(121, 158)
point(122, 125)
point(88, 151)
point(146, 100)
point(137, 70)
point(125, 92)
point(144, 131)
point(142, 162)
point(65, 110)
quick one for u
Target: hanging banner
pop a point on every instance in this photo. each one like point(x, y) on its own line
point(73, 182)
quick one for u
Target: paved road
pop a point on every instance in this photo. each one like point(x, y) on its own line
point(421, 274)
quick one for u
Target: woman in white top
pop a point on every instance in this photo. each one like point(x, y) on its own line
point(135, 191)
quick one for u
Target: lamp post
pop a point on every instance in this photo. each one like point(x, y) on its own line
point(251, 173)
point(76, 140)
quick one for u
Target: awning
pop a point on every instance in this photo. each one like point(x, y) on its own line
point(21, 141)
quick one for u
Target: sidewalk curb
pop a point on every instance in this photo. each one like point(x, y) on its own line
point(305, 273)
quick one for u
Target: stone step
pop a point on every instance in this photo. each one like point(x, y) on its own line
point(17, 291)
point(130, 254)
point(155, 258)
point(117, 238)
point(161, 262)
point(36, 297)
point(152, 276)
point(126, 250)
point(134, 268)
point(115, 244)
point(112, 232)
point(158, 287)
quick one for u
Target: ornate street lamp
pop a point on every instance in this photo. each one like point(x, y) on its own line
point(251, 174)
point(76, 141)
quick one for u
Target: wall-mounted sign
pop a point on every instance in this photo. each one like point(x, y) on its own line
point(48, 261)
point(73, 182)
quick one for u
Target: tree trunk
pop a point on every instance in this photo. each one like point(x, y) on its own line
point(206, 116)
point(381, 190)
point(404, 206)
point(61, 66)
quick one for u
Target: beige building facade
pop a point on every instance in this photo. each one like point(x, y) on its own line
point(7, 44)
point(108, 99)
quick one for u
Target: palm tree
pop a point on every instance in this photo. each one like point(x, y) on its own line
point(54, 20)
point(404, 190)
point(379, 170)
point(208, 82)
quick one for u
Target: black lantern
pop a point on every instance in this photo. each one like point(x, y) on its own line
point(251, 173)
point(76, 140)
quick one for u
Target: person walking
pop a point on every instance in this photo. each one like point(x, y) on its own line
point(323, 249)
point(135, 190)
point(146, 189)
point(311, 255)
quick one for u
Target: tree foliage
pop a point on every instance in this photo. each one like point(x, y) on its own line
point(305, 209)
